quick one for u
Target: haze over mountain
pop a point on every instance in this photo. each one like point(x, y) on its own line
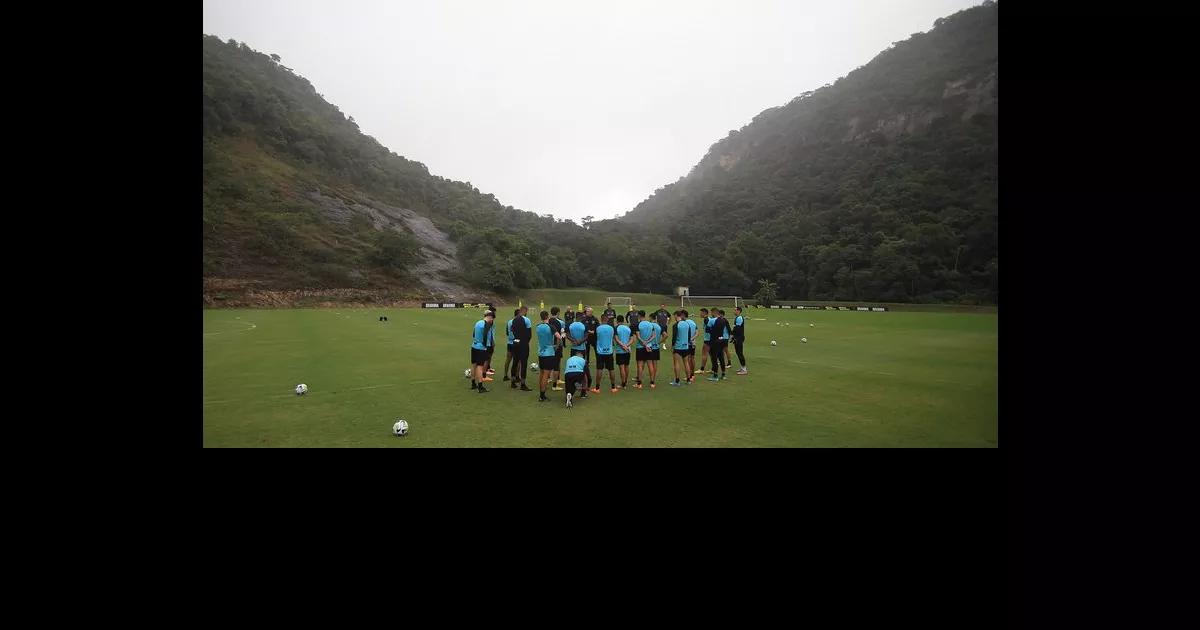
point(879, 186)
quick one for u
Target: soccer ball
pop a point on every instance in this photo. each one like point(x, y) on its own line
point(400, 429)
point(788, 324)
point(804, 340)
point(773, 342)
point(467, 373)
point(534, 367)
point(301, 389)
point(812, 325)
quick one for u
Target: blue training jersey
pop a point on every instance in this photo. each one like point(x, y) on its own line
point(654, 345)
point(508, 330)
point(579, 331)
point(708, 322)
point(575, 364)
point(645, 329)
point(478, 338)
point(624, 333)
point(491, 336)
point(604, 339)
point(545, 336)
point(682, 335)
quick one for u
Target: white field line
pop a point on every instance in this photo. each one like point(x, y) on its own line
point(252, 327)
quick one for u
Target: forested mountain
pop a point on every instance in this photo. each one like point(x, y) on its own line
point(881, 186)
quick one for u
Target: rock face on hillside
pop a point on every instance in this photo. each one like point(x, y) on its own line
point(439, 263)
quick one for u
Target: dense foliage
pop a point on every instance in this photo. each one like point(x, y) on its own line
point(881, 186)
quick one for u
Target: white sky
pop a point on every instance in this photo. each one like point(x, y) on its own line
point(569, 107)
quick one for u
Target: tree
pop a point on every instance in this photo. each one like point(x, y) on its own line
point(275, 58)
point(767, 292)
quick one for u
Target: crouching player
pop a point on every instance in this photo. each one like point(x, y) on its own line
point(574, 371)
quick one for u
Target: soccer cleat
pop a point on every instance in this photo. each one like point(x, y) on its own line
point(525, 389)
point(700, 371)
point(481, 390)
point(488, 379)
point(637, 385)
point(506, 377)
point(674, 383)
point(724, 376)
point(743, 371)
point(651, 385)
point(614, 390)
point(595, 390)
point(712, 378)
point(568, 401)
point(491, 371)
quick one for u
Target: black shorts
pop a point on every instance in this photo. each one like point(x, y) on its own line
point(653, 355)
point(691, 351)
point(574, 382)
point(683, 352)
point(548, 363)
point(622, 358)
point(558, 353)
point(604, 361)
point(478, 357)
point(490, 350)
point(643, 354)
point(510, 348)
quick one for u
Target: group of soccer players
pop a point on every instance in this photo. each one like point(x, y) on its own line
point(613, 339)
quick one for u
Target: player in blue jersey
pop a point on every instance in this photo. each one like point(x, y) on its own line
point(479, 357)
point(605, 333)
point(624, 349)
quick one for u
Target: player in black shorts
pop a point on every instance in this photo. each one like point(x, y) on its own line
point(557, 326)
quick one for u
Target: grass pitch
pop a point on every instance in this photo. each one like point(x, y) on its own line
point(864, 379)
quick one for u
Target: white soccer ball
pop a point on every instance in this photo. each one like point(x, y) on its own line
point(400, 429)
point(804, 340)
point(812, 325)
point(467, 373)
point(788, 324)
point(773, 342)
point(534, 367)
point(301, 389)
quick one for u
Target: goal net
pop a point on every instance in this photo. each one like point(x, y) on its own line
point(694, 303)
point(620, 304)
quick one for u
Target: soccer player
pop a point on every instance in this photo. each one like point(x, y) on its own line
point(655, 344)
point(575, 377)
point(739, 339)
point(725, 342)
point(680, 337)
point(693, 334)
point(706, 321)
point(577, 338)
point(591, 323)
point(609, 315)
point(624, 341)
point(663, 317)
point(508, 355)
point(522, 330)
point(569, 315)
point(604, 354)
point(479, 351)
point(491, 345)
point(645, 335)
point(558, 327)
point(631, 318)
point(720, 331)
point(547, 359)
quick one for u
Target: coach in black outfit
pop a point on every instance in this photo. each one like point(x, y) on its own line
point(522, 333)
point(590, 322)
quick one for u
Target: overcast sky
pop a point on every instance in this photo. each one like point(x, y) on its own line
point(572, 108)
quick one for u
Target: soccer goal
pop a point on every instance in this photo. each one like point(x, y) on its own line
point(693, 302)
point(619, 301)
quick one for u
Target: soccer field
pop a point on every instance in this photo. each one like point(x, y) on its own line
point(864, 379)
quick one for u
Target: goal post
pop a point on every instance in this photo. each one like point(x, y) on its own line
point(691, 302)
point(617, 301)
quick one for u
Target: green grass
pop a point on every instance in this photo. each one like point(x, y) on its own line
point(863, 380)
